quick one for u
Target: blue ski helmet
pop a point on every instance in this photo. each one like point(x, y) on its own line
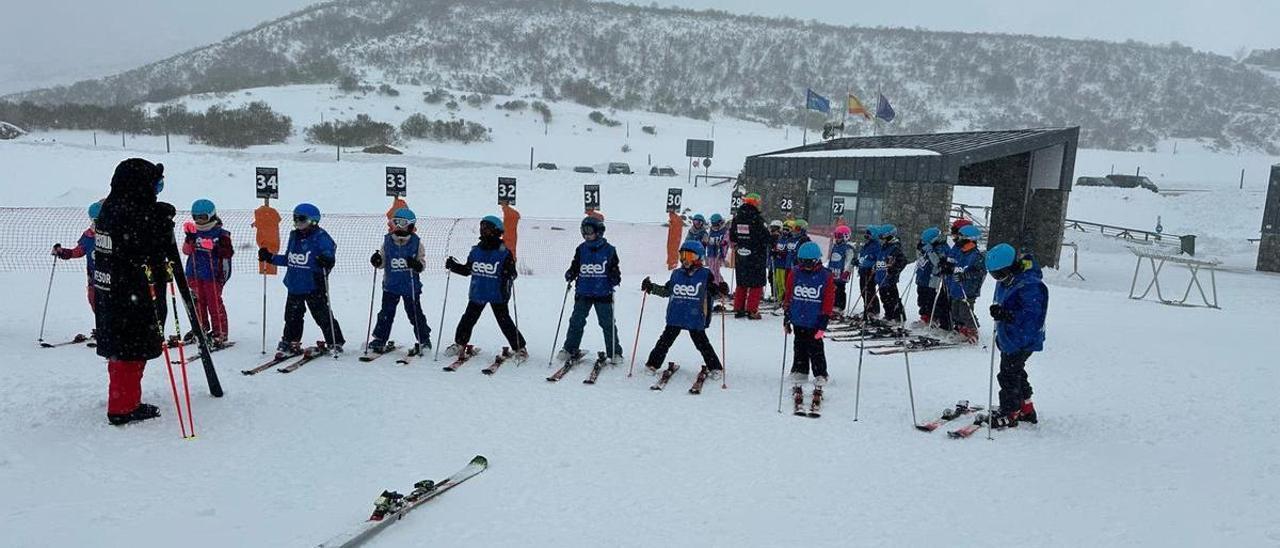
point(887, 231)
point(405, 213)
point(970, 232)
point(309, 211)
point(94, 209)
point(695, 246)
point(809, 252)
point(716, 218)
point(202, 207)
point(1000, 257)
point(930, 235)
point(873, 231)
point(698, 218)
point(597, 226)
point(496, 222)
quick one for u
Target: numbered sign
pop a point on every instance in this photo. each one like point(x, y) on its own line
point(591, 196)
point(675, 197)
point(397, 181)
point(267, 182)
point(506, 190)
point(786, 204)
point(837, 206)
point(735, 201)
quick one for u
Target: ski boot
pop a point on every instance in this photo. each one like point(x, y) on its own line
point(520, 356)
point(715, 374)
point(562, 355)
point(1028, 413)
point(797, 399)
point(380, 347)
point(616, 359)
point(739, 314)
point(815, 406)
point(1001, 419)
point(754, 315)
point(143, 412)
point(287, 348)
point(453, 349)
point(968, 335)
point(386, 503)
point(652, 369)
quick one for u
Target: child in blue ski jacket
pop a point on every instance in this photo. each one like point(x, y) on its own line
point(889, 265)
point(310, 255)
point(1019, 309)
point(717, 245)
point(492, 269)
point(867, 255)
point(691, 290)
point(933, 305)
point(964, 271)
point(402, 256)
point(596, 271)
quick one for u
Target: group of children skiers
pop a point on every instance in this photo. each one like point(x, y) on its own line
point(810, 291)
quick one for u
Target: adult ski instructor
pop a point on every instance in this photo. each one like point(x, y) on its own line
point(751, 242)
point(134, 235)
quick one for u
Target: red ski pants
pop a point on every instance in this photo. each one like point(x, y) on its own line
point(209, 306)
point(747, 298)
point(124, 392)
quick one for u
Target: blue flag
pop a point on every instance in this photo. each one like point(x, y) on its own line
point(813, 101)
point(884, 110)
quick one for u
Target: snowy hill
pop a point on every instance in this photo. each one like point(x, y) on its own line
point(1125, 96)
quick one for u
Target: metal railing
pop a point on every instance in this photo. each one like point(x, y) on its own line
point(1185, 243)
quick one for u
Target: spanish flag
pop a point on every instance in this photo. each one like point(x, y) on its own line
point(856, 107)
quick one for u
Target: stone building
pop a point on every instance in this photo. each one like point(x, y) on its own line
point(907, 180)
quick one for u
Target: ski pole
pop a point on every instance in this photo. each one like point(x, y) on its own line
point(559, 322)
point(783, 375)
point(182, 357)
point(643, 297)
point(724, 354)
point(47, 293)
point(264, 314)
point(991, 382)
point(933, 312)
point(862, 346)
point(448, 276)
point(164, 347)
point(368, 330)
point(332, 338)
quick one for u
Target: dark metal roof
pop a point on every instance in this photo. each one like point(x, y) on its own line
point(954, 151)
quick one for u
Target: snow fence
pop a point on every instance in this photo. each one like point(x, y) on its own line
point(545, 246)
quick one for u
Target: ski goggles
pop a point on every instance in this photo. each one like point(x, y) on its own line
point(588, 230)
point(689, 256)
point(201, 218)
point(400, 222)
point(301, 219)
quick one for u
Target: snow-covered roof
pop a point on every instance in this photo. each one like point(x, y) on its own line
point(857, 153)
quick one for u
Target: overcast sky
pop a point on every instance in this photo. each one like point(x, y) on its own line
point(47, 42)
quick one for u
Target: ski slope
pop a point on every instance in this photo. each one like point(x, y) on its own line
point(1155, 425)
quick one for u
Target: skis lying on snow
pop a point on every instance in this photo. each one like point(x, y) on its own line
point(961, 409)
point(391, 507)
point(916, 345)
point(308, 356)
point(370, 356)
point(464, 354)
point(78, 339)
point(497, 361)
point(212, 349)
point(601, 359)
point(667, 373)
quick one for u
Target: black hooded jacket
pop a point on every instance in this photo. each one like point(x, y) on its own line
point(133, 231)
point(751, 243)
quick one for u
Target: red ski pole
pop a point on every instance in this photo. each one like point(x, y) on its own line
point(182, 355)
point(164, 347)
point(635, 345)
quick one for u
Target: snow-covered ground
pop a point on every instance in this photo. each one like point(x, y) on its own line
point(1155, 428)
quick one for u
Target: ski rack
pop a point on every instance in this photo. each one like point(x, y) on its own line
point(1157, 262)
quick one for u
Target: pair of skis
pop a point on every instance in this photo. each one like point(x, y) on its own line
point(665, 376)
point(391, 506)
point(601, 360)
point(283, 358)
point(961, 409)
point(815, 406)
point(415, 351)
point(80, 338)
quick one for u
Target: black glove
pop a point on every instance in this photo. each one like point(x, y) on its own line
point(376, 259)
point(324, 261)
point(264, 255)
point(947, 266)
point(450, 263)
point(414, 263)
point(786, 325)
point(724, 288)
point(920, 247)
point(57, 250)
point(999, 314)
point(646, 285)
